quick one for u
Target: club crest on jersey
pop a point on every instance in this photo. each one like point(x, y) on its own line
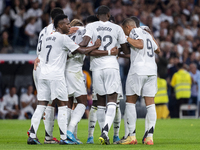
point(104, 29)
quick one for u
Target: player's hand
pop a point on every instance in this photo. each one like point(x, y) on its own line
point(73, 30)
point(36, 63)
point(97, 43)
point(114, 51)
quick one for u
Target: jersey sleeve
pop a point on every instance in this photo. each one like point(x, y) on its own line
point(89, 31)
point(135, 34)
point(122, 36)
point(70, 44)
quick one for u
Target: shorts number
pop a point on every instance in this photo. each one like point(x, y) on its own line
point(40, 43)
point(104, 40)
point(50, 47)
point(150, 48)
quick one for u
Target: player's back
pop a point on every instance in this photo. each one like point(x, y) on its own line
point(143, 60)
point(54, 54)
point(111, 35)
point(75, 62)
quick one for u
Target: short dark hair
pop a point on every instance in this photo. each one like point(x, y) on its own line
point(180, 65)
point(91, 18)
point(55, 12)
point(137, 21)
point(103, 10)
point(127, 21)
point(58, 18)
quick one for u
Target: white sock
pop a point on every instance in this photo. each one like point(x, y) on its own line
point(48, 120)
point(35, 120)
point(101, 113)
point(117, 121)
point(131, 117)
point(69, 111)
point(75, 131)
point(125, 125)
point(92, 120)
point(62, 121)
point(76, 116)
point(151, 116)
point(110, 115)
point(146, 124)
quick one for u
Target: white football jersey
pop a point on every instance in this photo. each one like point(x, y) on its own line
point(111, 35)
point(143, 60)
point(54, 53)
point(75, 62)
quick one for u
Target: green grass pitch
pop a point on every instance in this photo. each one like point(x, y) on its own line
point(169, 134)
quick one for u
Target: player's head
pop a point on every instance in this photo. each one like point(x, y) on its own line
point(91, 19)
point(55, 12)
point(137, 21)
point(112, 19)
point(62, 24)
point(127, 25)
point(76, 22)
point(180, 65)
point(103, 11)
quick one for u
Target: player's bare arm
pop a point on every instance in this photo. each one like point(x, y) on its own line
point(125, 48)
point(86, 40)
point(37, 60)
point(113, 51)
point(86, 50)
point(136, 43)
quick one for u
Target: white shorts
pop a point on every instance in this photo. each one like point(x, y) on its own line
point(107, 81)
point(75, 83)
point(141, 85)
point(49, 90)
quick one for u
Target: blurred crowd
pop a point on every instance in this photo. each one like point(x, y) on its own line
point(174, 24)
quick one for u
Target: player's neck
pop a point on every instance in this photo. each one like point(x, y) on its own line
point(104, 19)
point(59, 30)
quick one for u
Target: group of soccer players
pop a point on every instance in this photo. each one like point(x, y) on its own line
point(58, 76)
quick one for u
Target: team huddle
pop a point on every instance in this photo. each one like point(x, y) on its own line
point(59, 79)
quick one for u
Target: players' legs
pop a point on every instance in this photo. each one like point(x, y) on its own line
point(92, 119)
point(116, 123)
point(48, 119)
point(110, 113)
point(35, 120)
point(131, 113)
point(148, 92)
point(69, 109)
point(150, 120)
point(62, 118)
point(78, 112)
point(101, 110)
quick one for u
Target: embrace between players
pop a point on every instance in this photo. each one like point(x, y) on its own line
point(58, 77)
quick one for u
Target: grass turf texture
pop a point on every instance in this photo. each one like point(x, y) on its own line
point(169, 134)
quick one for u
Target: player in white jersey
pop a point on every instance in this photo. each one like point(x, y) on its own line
point(141, 80)
point(48, 117)
point(93, 111)
point(105, 69)
point(51, 82)
point(76, 83)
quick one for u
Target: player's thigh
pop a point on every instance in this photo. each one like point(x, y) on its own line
point(98, 83)
point(150, 87)
point(59, 90)
point(112, 81)
point(134, 84)
point(44, 91)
